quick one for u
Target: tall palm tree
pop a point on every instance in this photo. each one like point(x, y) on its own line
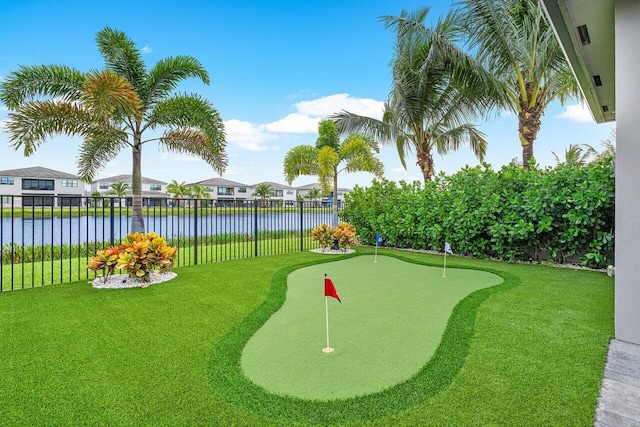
point(264, 191)
point(120, 189)
point(437, 89)
point(515, 42)
point(329, 157)
point(113, 109)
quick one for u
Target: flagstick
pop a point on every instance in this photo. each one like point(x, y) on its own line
point(375, 258)
point(327, 349)
point(444, 272)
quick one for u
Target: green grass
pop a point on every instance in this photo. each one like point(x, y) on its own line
point(528, 352)
point(42, 273)
point(389, 325)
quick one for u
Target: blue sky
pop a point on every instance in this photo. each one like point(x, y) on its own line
point(276, 69)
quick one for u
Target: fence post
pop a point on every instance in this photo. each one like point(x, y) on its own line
point(301, 226)
point(255, 228)
point(195, 232)
point(112, 219)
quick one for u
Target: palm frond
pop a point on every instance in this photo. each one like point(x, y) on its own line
point(454, 138)
point(196, 142)
point(107, 93)
point(99, 147)
point(33, 123)
point(300, 160)
point(121, 56)
point(167, 73)
point(30, 83)
point(192, 112)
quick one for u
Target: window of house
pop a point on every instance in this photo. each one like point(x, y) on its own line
point(69, 182)
point(155, 187)
point(6, 180)
point(278, 193)
point(37, 201)
point(7, 200)
point(242, 190)
point(208, 188)
point(37, 184)
point(289, 192)
point(104, 185)
point(225, 191)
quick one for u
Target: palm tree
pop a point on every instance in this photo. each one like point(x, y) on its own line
point(112, 109)
point(514, 40)
point(314, 194)
point(576, 155)
point(199, 191)
point(120, 189)
point(437, 89)
point(264, 191)
point(179, 190)
point(329, 157)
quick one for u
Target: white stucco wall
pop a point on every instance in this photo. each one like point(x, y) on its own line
point(627, 232)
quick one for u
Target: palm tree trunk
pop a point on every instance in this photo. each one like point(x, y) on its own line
point(425, 162)
point(529, 124)
point(137, 219)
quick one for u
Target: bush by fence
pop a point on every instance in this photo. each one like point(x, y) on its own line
point(561, 214)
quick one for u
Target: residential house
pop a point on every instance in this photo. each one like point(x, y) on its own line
point(282, 194)
point(154, 192)
point(303, 190)
point(225, 192)
point(600, 40)
point(39, 186)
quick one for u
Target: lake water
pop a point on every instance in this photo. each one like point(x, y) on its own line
point(56, 231)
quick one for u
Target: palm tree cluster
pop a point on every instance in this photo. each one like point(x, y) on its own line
point(112, 109)
point(439, 88)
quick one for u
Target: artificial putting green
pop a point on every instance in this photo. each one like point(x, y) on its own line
point(391, 320)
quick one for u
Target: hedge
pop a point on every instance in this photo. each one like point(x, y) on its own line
point(562, 214)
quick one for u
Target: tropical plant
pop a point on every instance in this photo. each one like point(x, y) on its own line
point(179, 190)
point(436, 90)
point(120, 189)
point(199, 191)
point(330, 157)
point(339, 238)
point(576, 155)
point(112, 109)
point(105, 261)
point(608, 149)
point(314, 194)
point(140, 254)
point(514, 41)
point(264, 191)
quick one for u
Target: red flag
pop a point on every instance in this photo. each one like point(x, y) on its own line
point(330, 290)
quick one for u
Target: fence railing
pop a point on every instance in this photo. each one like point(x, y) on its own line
point(52, 243)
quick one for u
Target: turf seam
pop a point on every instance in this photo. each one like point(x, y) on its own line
point(226, 377)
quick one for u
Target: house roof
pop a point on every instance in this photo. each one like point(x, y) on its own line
point(127, 179)
point(585, 29)
point(220, 182)
point(37, 172)
point(317, 185)
point(274, 185)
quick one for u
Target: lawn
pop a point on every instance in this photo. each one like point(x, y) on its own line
point(530, 351)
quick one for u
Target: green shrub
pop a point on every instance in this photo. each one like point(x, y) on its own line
point(561, 214)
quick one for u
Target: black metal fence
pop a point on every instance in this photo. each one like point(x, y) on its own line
point(52, 243)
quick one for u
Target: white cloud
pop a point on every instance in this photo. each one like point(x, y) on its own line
point(577, 113)
point(294, 123)
point(332, 104)
point(146, 49)
point(248, 136)
point(252, 136)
